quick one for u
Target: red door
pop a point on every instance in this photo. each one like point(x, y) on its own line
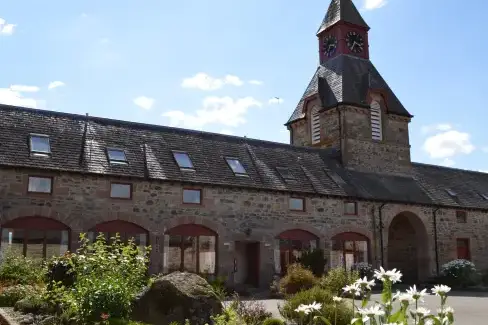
point(252, 252)
point(463, 249)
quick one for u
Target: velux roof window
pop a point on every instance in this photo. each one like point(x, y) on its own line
point(183, 160)
point(451, 192)
point(116, 156)
point(484, 196)
point(236, 166)
point(39, 144)
point(285, 173)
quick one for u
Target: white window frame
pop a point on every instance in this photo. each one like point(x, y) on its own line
point(315, 125)
point(376, 121)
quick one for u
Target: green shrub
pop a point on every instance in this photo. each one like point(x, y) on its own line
point(459, 273)
point(108, 276)
point(314, 260)
point(229, 316)
point(18, 269)
point(297, 278)
point(316, 294)
point(364, 270)
point(10, 295)
point(60, 269)
point(338, 278)
point(33, 303)
point(251, 312)
point(273, 321)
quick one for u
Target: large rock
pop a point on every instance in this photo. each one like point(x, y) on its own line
point(176, 297)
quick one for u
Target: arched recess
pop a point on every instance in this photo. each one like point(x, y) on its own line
point(191, 248)
point(126, 230)
point(292, 243)
point(408, 247)
point(36, 237)
point(349, 248)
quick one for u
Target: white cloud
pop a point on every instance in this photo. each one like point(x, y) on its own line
point(276, 100)
point(55, 84)
point(256, 82)
point(226, 131)
point(203, 81)
point(215, 110)
point(448, 162)
point(447, 144)
point(374, 4)
point(24, 88)
point(436, 127)
point(144, 102)
point(6, 29)
point(15, 98)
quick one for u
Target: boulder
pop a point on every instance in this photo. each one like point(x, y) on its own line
point(174, 298)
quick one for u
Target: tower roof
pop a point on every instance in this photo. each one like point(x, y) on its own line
point(342, 10)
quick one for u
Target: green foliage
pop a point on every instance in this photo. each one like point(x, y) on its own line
point(10, 295)
point(314, 260)
point(251, 312)
point(229, 316)
point(108, 276)
point(33, 303)
point(316, 294)
point(297, 278)
point(364, 269)
point(338, 278)
point(459, 273)
point(17, 269)
point(60, 269)
point(273, 321)
point(218, 287)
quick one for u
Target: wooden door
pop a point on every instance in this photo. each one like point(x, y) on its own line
point(252, 256)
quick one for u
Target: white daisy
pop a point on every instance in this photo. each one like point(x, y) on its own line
point(441, 290)
point(417, 295)
point(422, 311)
point(364, 283)
point(337, 299)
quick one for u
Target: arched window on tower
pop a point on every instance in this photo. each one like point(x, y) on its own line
point(376, 124)
point(315, 125)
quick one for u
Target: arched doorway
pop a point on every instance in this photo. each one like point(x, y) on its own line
point(349, 248)
point(191, 248)
point(126, 230)
point(292, 243)
point(36, 237)
point(408, 248)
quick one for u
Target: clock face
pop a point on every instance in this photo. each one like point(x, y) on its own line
point(330, 45)
point(355, 42)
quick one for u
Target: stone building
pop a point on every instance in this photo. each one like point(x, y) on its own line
point(245, 208)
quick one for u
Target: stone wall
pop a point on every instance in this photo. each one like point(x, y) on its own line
point(82, 201)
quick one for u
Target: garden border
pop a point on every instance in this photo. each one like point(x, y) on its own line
point(5, 319)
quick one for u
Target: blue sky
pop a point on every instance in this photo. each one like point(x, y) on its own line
point(216, 65)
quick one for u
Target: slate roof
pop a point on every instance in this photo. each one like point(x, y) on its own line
point(346, 79)
point(342, 10)
point(78, 144)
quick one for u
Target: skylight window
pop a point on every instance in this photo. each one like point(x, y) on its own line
point(285, 173)
point(40, 144)
point(116, 156)
point(236, 166)
point(451, 192)
point(484, 196)
point(183, 160)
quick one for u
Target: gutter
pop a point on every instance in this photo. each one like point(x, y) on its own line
point(380, 227)
point(436, 248)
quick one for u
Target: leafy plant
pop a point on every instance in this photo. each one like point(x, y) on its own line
point(10, 295)
point(459, 273)
point(297, 278)
point(338, 278)
point(273, 321)
point(229, 316)
point(18, 269)
point(314, 260)
point(60, 269)
point(251, 312)
point(364, 269)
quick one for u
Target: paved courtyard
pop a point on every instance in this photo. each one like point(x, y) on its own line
point(469, 308)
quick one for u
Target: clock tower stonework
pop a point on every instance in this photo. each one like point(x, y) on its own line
point(347, 106)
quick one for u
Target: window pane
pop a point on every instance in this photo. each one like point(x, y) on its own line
point(190, 254)
point(350, 208)
point(183, 160)
point(192, 196)
point(207, 254)
point(336, 254)
point(174, 253)
point(40, 184)
point(40, 144)
point(361, 252)
point(285, 173)
point(236, 166)
point(116, 155)
point(35, 244)
point(296, 204)
point(56, 242)
point(120, 191)
point(13, 239)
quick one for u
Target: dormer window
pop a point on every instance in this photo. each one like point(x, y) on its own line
point(183, 160)
point(116, 156)
point(236, 166)
point(315, 125)
point(376, 124)
point(39, 144)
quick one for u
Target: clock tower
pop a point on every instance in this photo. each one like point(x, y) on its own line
point(347, 106)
